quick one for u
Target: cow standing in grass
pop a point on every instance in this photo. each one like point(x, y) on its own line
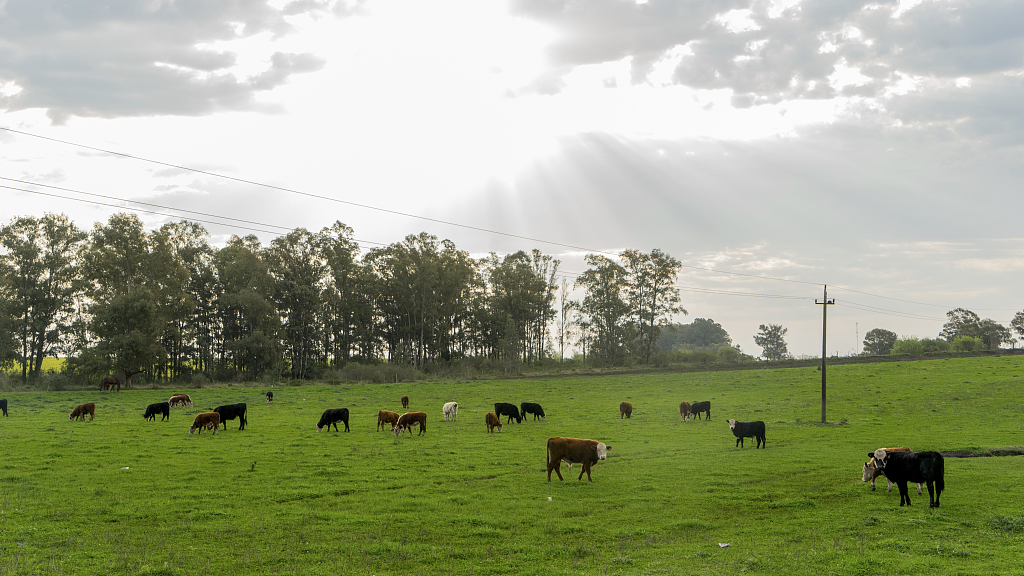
point(180, 400)
point(3, 406)
point(81, 410)
point(230, 412)
point(408, 420)
point(872, 471)
point(332, 416)
point(110, 383)
point(625, 410)
point(697, 407)
point(532, 408)
point(208, 420)
point(684, 411)
point(450, 411)
point(509, 410)
point(743, 430)
point(903, 467)
point(405, 402)
point(386, 417)
point(574, 451)
point(163, 408)
point(492, 421)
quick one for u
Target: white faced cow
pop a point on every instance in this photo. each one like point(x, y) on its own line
point(450, 410)
point(574, 451)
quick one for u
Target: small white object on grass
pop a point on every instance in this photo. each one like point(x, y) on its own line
point(549, 498)
point(720, 545)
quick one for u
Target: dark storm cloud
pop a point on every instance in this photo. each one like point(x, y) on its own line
point(129, 58)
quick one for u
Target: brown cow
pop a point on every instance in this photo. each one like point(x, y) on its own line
point(410, 419)
point(386, 417)
point(872, 471)
point(574, 450)
point(206, 420)
point(182, 399)
point(405, 401)
point(109, 383)
point(625, 410)
point(82, 409)
point(684, 411)
point(492, 421)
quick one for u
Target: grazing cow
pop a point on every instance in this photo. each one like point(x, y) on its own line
point(3, 406)
point(574, 451)
point(532, 408)
point(510, 410)
point(109, 383)
point(684, 411)
point(697, 407)
point(180, 399)
point(270, 396)
point(158, 408)
point(82, 409)
point(333, 416)
point(386, 417)
point(625, 410)
point(208, 420)
point(405, 402)
point(872, 471)
point(903, 467)
point(410, 419)
point(492, 421)
point(743, 430)
point(230, 412)
point(450, 410)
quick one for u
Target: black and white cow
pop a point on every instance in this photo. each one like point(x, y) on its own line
point(152, 410)
point(697, 407)
point(743, 430)
point(3, 406)
point(532, 408)
point(333, 416)
point(510, 410)
point(903, 467)
point(230, 412)
point(270, 396)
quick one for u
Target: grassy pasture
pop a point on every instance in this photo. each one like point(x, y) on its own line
point(122, 496)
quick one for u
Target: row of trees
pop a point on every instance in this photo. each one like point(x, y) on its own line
point(964, 331)
point(168, 304)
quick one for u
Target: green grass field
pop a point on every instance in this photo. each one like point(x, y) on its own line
point(122, 496)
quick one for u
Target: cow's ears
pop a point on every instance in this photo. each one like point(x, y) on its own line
point(871, 454)
point(607, 447)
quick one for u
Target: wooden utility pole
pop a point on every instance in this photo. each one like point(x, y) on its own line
point(825, 302)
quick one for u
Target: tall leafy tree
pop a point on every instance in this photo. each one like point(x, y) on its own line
point(993, 334)
point(701, 334)
point(771, 339)
point(345, 304)
point(40, 262)
point(605, 308)
point(300, 273)
point(961, 323)
point(879, 341)
point(522, 293)
point(653, 297)
point(249, 322)
point(1017, 324)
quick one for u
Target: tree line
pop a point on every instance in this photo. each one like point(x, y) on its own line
point(167, 304)
point(964, 331)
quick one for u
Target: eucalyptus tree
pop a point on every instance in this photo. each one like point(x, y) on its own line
point(652, 295)
point(248, 321)
point(41, 266)
point(345, 305)
point(564, 328)
point(185, 295)
point(605, 310)
point(521, 288)
point(771, 339)
point(301, 275)
point(961, 322)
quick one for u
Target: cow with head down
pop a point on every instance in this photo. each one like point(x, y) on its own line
point(207, 420)
point(180, 400)
point(492, 421)
point(162, 409)
point(80, 411)
point(408, 420)
point(574, 451)
point(332, 416)
point(386, 417)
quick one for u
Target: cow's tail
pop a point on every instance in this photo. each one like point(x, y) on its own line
point(548, 452)
point(940, 481)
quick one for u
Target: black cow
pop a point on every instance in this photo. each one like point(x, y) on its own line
point(903, 467)
point(333, 416)
point(158, 408)
point(532, 408)
point(743, 430)
point(270, 396)
point(230, 412)
point(3, 406)
point(697, 407)
point(510, 410)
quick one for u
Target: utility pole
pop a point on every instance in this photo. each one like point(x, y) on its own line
point(825, 303)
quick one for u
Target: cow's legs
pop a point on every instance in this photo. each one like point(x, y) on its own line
point(933, 502)
point(904, 492)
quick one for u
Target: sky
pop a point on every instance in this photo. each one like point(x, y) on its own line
point(772, 147)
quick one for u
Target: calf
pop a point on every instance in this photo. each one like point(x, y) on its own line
point(230, 412)
point(180, 400)
point(152, 410)
point(410, 419)
point(698, 407)
point(510, 410)
point(386, 417)
point(82, 409)
point(743, 430)
point(492, 421)
point(109, 383)
point(3, 406)
point(450, 410)
point(333, 416)
point(574, 450)
point(625, 410)
point(532, 408)
point(208, 420)
point(903, 467)
point(405, 402)
point(684, 411)
point(872, 471)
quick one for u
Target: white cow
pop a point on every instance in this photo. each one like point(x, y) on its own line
point(451, 410)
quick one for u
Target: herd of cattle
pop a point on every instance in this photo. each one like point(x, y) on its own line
point(899, 465)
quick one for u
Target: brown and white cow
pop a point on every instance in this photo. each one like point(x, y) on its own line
point(684, 411)
point(180, 399)
point(386, 417)
point(410, 419)
point(872, 471)
point(574, 451)
point(110, 383)
point(206, 420)
point(625, 410)
point(492, 421)
point(82, 409)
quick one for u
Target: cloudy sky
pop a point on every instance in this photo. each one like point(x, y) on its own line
point(771, 146)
